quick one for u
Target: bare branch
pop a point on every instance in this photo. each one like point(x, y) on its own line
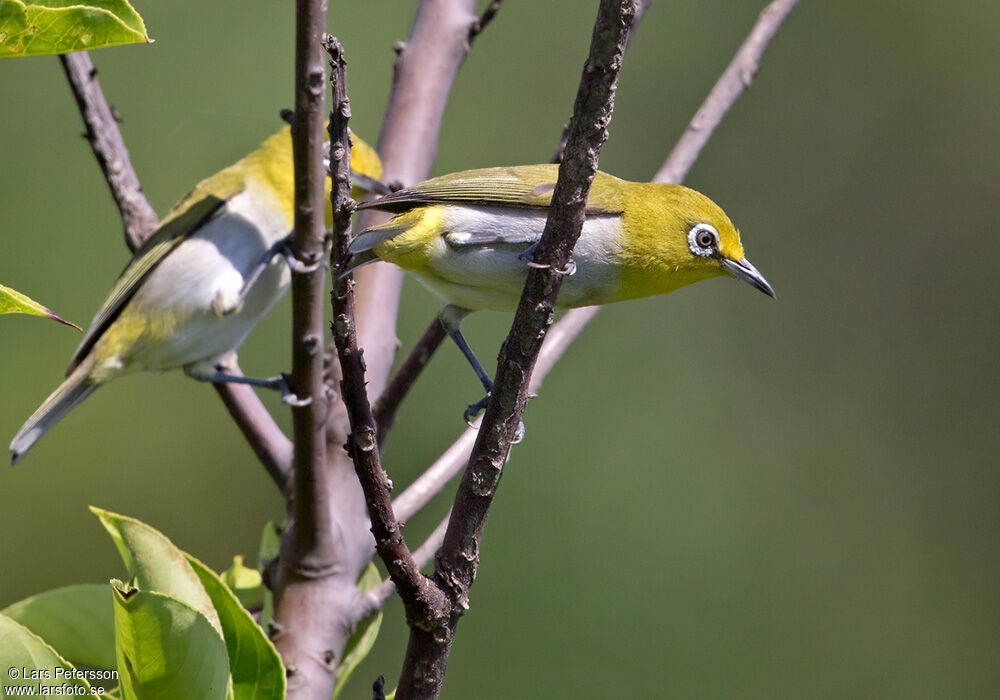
point(312, 546)
point(484, 19)
point(362, 442)
point(640, 10)
point(310, 566)
point(400, 385)
point(268, 441)
point(139, 220)
point(422, 555)
point(138, 217)
point(730, 86)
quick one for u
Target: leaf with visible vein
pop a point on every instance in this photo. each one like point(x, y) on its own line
point(40, 27)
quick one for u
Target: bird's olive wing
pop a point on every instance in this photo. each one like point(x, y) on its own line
point(528, 186)
point(150, 254)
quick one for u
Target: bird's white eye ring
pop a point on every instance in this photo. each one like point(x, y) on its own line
point(703, 240)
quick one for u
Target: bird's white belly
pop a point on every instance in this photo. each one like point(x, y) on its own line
point(492, 276)
point(199, 282)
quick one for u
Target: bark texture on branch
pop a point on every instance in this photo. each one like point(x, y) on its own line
point(362, 442)
point(310, 550)
point(138, 217)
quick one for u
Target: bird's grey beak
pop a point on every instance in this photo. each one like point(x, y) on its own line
point(743, 270)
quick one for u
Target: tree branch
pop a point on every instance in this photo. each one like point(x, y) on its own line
point(362, 442)
point(484, 19)
point(138, 217)
point(312, 546)
point(401, 383)
point(139, 221)
point(266, 439)
point(377, 597)
point(736, 78)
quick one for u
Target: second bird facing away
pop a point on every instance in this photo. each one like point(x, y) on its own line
point(197, 287)
point(470, 236)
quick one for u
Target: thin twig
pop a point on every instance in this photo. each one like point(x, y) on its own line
point(484, 19)
point(640, 10)
point(266, 439)
point(401, 383)
point(422, 555)
point(430, 483)
point(362, 442)
point(138, 217)
point(139, 220)
point(736, 78)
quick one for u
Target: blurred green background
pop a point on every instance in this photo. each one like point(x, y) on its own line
point(719, 496)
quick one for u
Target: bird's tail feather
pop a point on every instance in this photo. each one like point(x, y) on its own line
point(75, 389)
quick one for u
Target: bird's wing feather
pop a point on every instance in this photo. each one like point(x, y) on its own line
point(150, 254)
point(522, 186)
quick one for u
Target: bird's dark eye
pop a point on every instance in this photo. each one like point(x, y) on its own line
point(703, 240)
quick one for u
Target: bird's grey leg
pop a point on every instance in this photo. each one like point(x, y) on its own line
point(451, 318)
point(220, 373)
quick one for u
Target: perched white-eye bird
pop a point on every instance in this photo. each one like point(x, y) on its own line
point(469, 236)
point(196, 288)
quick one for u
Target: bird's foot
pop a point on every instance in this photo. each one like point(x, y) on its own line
point(296, 265)
point(528, 257)
point(281, 384)
point(474, 409)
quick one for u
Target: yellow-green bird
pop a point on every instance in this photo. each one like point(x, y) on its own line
point(197, 287)
point(469, 236)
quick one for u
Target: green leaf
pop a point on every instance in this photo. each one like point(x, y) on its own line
point(28, 662)
point(77, 621)
point(167, 649)
point(254, 663)
point(364, 636)
point(12, 301)
point(156, 564)
point(246, 583)
point(40, 27)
